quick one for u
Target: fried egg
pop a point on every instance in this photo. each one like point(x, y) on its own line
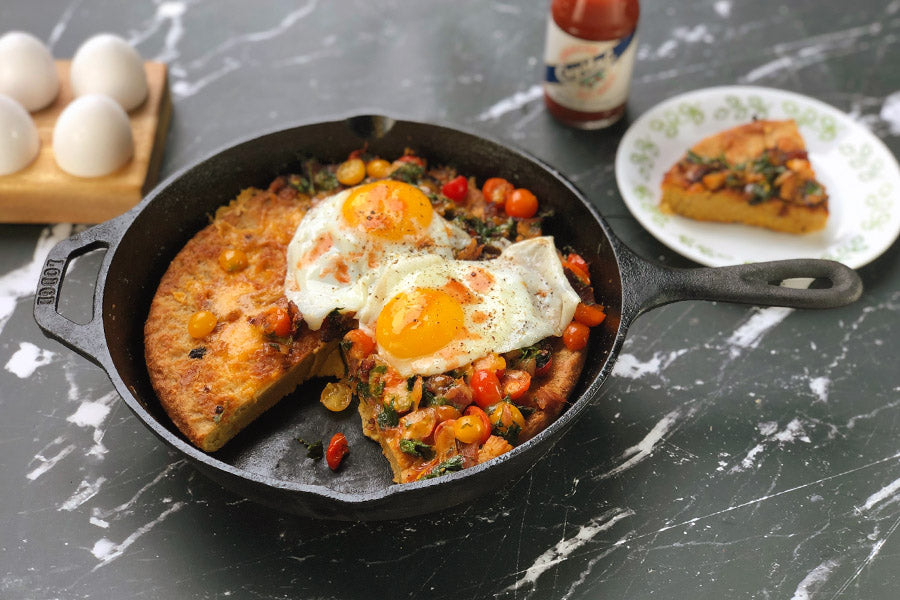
point(347, 240)
point(429, 314)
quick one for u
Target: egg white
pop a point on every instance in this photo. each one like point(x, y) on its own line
point(528, 300)
point(312, 280)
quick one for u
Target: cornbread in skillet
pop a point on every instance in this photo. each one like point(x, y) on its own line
point(757, 174)
point(214, 386)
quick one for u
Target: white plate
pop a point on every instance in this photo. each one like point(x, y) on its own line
point(860, 174)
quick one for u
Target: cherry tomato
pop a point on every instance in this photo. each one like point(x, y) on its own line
point(578, 266)
point(281, 322)
point(485, 388)
point(336, 396)
point(515, 383)
point(589, 314)
point(496, 189)
point(446, 412)
point(470, 428)
point(522, 204)
point(378, 168)
point(361, 345)
point(411, 158)
point(456, 189)
point(445, 437)
point(201, 324)
point(576, 335)
point(477, 412)
point(418, 425)
point(337, 450)
point(351, 171)
point(232, 260)
point(504, 415)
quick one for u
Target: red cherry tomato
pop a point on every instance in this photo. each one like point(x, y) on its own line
point(361, 345)
point(282, 323)
point(589, 314)
point(337, 450)
point(496, 189)
point(522, 204)
point(485, 388)
point(515, 383)
point(576, 335)
point(578, 266)
point(411, 158)
point(456, 189)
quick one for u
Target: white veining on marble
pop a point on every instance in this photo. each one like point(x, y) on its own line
point(819, 386)
point(60, 27)
point(561, 551)
point(814, 580)
point(794, 56)
point(723, 8)
point(646, 446)
point(93, 413)
point(890, 113)
point(792, 432)
point(888, 491)
point(99, 522)
point(107, 551)
point(876, 548)
point(45, 464)
point(27, 359)
point(20, 283)
point(752, 330)
point(512, 103)
point(86, 490)
point(629, 366)
point(125, 507)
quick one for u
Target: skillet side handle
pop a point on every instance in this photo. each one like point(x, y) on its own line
point(753, 283)
point(87, 339)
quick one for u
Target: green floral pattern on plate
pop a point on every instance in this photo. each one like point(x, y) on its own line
point(864, 196)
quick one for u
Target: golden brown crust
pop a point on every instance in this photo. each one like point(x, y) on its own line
point(757, 174)
point(237, 372)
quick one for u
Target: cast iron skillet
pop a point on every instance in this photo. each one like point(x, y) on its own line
point(266, 462)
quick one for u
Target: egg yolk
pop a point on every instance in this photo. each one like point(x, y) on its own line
point(418, 323)
point(388, 209)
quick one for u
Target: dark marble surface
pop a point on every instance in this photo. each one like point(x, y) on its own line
point(736, 452)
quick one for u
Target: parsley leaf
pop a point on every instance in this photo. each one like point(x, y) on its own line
point(388, 417)
point(314, 450)
point(417, 448)
point(454, 463)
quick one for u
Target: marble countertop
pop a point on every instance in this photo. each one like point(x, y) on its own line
point(736, 452)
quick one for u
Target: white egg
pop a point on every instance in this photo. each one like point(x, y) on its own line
point(430, 314)
point(107, 64)
point(19, 141)
point(92, 137)
point(27, 71)
point(347, 239)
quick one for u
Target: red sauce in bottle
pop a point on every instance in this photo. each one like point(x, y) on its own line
point(589, 57)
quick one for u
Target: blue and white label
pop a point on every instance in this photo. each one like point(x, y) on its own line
point(587, 76)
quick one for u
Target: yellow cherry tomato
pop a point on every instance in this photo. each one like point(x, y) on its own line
point(336, 396)
point(351, 171)
point(232, 260)
point(469, 428)
point(378, 168)
point(201, 324)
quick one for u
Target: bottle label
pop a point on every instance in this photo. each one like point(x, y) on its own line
point(584, 75)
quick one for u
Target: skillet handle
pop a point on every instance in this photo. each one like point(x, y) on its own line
point(87, 339)
point(753, 283)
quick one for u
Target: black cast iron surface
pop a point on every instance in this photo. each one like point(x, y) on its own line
point(266, 463)
point(734, 452)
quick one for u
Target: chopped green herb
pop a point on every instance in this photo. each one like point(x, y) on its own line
point(378, 369)
point(198, 352)
point(417, 448)
point(388, 417)
point(301, 184)
point(411, 383)
point(510, 434)
point(454, 463)
point(811, 188)
point(408, 173)
point(325, 180)
point(314, 450)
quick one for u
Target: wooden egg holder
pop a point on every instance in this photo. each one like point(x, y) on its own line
point(44, 193)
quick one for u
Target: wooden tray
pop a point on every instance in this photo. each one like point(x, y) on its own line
point(44, 193)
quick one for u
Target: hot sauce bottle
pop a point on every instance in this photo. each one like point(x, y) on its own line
point(589, 57)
